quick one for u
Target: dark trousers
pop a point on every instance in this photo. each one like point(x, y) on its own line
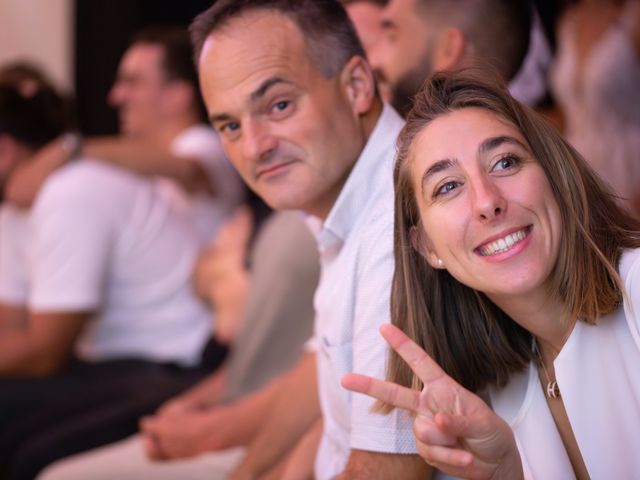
point(85, 406)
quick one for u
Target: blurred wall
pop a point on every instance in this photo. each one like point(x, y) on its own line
point(40, 31)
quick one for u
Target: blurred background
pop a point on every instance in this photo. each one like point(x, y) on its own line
point(80, 42)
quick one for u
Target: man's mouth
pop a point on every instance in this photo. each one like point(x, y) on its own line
point(273, 169)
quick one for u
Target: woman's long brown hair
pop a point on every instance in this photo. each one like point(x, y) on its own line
point(475, 342)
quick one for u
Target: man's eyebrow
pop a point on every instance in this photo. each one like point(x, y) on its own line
point(219, 117)
point(253, 96)
point(439, 166)
point(265, 86)
point(495, 142)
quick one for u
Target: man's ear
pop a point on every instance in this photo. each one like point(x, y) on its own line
point(422, 245)
point(358, 84)
point(450, 49)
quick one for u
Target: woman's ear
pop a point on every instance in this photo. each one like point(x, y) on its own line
point(359, 84)
point(421, 244)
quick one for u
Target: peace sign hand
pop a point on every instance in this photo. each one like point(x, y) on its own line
point(455, 430)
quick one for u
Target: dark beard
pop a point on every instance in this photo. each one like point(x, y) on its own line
point(409, 84)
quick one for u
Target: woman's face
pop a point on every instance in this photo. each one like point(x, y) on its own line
point(486, 206)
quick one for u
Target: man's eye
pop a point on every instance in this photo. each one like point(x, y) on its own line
point(229, 127)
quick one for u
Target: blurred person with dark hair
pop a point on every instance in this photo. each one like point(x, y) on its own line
point(425, 36)
point(98, 319)
point(366, 16)
point(162, 132)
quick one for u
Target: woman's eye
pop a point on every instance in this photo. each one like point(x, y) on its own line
point(506, 162)
point(446, 188)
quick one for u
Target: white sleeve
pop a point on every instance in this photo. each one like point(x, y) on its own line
point(72, 242)
point(202, 144)
point(372, 431)
point(14, 287)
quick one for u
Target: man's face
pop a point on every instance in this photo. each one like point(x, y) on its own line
point(292, 134)
point(403, 58)
point(139, 88)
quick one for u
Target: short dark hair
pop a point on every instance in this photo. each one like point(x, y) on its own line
point(498, 29)
point(18, 72)
point(330, 35)
point(33, 120)
point(176, 62)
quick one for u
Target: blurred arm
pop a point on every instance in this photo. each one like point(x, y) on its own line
point(42, 346)
point(294, 411)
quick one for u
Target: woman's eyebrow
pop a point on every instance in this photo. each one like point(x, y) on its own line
point(437, 167)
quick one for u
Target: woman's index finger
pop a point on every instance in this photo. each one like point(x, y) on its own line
point(425, 368)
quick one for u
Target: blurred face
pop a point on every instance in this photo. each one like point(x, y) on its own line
point(486, 206)
point(292, 134)
point(139, 89)
point(403, 56)
point(367, 19)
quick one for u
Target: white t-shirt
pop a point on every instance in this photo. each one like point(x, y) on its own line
point(352, 300)
point(201, 143)
point(14, 275)
point(102, 239)
point(598, 372)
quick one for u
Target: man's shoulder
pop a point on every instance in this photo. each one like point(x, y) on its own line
point(89, 177)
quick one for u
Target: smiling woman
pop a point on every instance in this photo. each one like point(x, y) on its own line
point(519, 275)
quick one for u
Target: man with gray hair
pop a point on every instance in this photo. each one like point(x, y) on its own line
point(287, 85)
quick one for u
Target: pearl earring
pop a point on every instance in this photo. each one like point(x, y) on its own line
point(440, 263)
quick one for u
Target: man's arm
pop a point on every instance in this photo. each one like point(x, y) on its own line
point(148, 158)
point(180, 434)
point(294, 411)
point(374, 465)
point(204, 394)
point(301, 463)
point(12, 317)
point(139, 156)
point(42, 346)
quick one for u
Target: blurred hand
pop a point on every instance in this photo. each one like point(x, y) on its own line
point(456, 432)
point(221, 277)
point(187, 433)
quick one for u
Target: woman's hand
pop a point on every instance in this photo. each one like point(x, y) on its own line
point(456, 432)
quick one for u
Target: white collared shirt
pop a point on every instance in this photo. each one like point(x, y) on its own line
point(598, 372)
point(352, 301)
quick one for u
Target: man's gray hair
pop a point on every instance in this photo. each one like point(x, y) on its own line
point(329, 34)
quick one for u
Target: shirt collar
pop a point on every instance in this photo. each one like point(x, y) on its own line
point(357, 190)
